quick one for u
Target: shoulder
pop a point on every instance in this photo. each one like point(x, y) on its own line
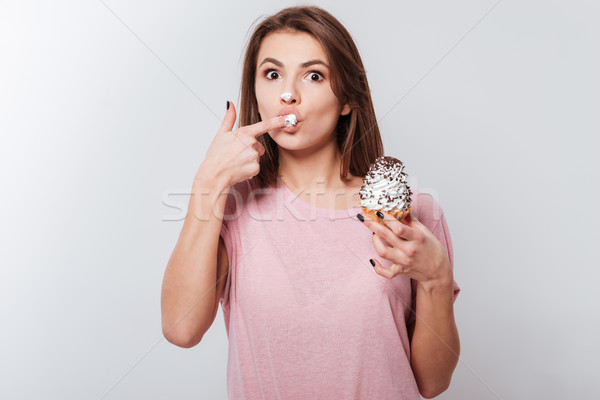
point(242, 193)
point(240, 189)
point(428, 211)
point(237, 195)
point(426, 208)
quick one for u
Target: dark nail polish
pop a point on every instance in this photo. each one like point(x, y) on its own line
point(227, 104)
point(372, 262)
point(360, 217)
point(380, 214)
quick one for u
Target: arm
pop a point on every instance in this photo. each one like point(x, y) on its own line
point(435, 344)
point(192, 283)
point(416, 253)
point(189, 290)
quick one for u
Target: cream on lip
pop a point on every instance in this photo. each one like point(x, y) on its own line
point(291, 120)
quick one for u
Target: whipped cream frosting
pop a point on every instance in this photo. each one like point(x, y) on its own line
point(290, 120)
point(384, 187)
point(286, 96)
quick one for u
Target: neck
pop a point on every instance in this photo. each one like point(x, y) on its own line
point(307, 169)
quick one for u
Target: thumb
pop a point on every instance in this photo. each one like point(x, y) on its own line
point(229, 119)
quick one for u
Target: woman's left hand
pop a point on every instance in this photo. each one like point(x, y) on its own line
point(414, 252)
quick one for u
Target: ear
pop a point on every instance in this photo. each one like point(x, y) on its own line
point(345, 110)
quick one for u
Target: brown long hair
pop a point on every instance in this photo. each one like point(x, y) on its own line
point(358, 137)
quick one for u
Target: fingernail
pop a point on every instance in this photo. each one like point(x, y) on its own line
point(372, 262)
point(380, 214)
point(227, 104)
point(360, 217)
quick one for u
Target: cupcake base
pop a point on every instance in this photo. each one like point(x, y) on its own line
point(400, 215)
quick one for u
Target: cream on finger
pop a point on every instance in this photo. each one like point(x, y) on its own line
point(291, 120)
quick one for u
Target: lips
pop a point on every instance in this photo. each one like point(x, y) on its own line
point(289, 110)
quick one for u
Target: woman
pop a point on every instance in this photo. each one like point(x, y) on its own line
point(271, 234)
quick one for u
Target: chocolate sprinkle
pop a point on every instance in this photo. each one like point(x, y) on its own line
point(390, 170)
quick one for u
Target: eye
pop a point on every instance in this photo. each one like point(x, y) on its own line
point(269, 74)
point(316, 76)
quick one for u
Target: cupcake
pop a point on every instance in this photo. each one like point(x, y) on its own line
point(384, 189)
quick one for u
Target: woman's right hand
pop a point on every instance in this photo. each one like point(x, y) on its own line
point(234, 155)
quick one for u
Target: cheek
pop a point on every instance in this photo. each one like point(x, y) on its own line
point(326, 105)
point(264, 95)
point(324, 99)
point(258, 92)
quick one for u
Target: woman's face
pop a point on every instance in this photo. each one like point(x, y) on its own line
point(296, 63)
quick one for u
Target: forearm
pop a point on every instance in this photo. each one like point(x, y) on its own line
point(188, 291)
point(435, 344)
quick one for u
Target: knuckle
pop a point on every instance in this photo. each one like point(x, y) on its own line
point(406, 261)
point(241, 142)
point(402, 268)
point(383, 252)
point(249, 141)
point(398, 229)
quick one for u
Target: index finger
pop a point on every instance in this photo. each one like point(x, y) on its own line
point(262, 127)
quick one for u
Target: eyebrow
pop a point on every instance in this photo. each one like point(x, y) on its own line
point(303, 65)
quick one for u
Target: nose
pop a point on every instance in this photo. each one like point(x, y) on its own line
point(289, 97)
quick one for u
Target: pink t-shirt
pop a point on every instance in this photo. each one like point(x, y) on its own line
point(307, 316)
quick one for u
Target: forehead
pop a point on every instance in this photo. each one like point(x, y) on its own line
point(291, 48)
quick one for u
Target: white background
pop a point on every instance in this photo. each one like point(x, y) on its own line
point(106, 112)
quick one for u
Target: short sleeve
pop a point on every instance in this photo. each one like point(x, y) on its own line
point(430, 214)
point(227, 239)
point(236, 196)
